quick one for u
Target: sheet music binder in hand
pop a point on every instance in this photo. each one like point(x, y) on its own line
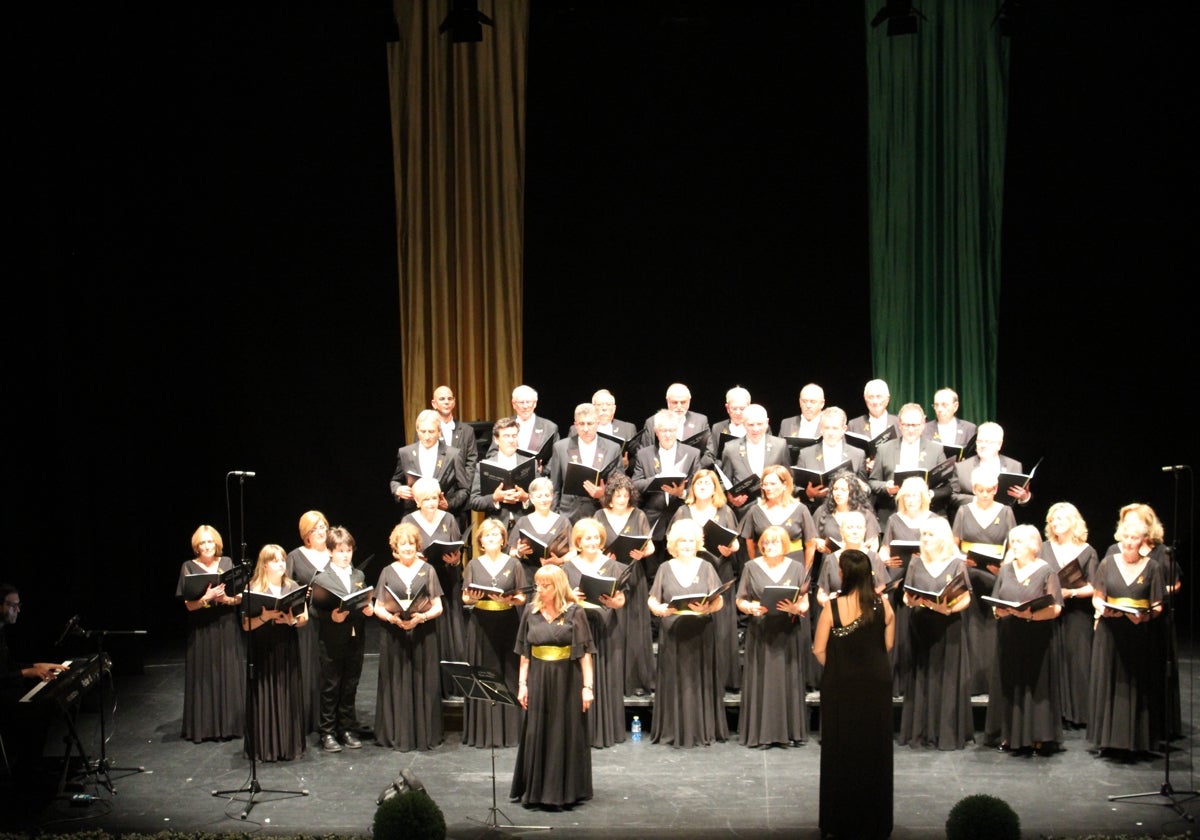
point(949, 594)
point(803, 476)
point(870, 445)
point(593, 586)
point(716, 534)
point(492, 475)
point(625, 543)
point(291, 601)
point(1007, 480)
point(436, 550)
point(772, 595)
point(327, 599)
point(1071, 576)
point(1033, 604)
point(235, 580)
point(406, 608)
point(680, 602)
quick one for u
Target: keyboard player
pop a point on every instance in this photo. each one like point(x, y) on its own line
point(23, 726)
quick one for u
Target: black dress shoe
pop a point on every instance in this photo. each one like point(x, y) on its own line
point(330, 744)
point(350, 741)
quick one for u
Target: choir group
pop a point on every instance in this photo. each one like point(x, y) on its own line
point(679, 560)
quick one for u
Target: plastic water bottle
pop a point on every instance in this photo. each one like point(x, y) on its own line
point(635, 729)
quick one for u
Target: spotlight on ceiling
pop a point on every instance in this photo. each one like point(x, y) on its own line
point(465, 21)
point(901, 17)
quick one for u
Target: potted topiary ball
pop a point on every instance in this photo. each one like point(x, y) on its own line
point(982, 817)
point(411, 815)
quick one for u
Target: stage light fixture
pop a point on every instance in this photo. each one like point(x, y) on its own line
point(465, 21)
point(900, 16)
point(406, 781)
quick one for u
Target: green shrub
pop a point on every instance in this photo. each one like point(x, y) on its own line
point(411, 815)
point(982, 817)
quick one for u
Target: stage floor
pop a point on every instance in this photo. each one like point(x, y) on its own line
point(641, 790)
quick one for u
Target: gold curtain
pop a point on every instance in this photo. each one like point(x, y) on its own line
point(458, 139)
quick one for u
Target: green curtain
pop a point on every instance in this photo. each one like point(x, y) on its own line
point(937, 109)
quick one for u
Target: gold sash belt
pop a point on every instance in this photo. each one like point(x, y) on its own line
point(551, 653)
point(1136, 603)
point(494, 606)
point(987, 548)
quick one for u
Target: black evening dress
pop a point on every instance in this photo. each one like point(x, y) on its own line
point(1023, 708)
point(606, 718)
point(689, 705)
point(1124, 678)
point(1073, 639)
point(773, 710)
point(302, 570)
point(214, 673)
point(937, 698)
point(900, 527)
point(452, 623)
point(554, 760)
point(491, 634)
point(557, 538)
point(1164, 643)
point(798, 523)
point(408, 702)
point(856, 730)
point(277, 716)
point(725, 623)
point(981, 627)
point(635, 615)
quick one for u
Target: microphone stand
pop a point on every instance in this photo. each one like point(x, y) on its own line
point(1169, 669)
point(252, 786)
point(102, 770)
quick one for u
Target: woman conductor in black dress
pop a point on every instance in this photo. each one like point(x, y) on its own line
point(853, 636)
point(556, 689)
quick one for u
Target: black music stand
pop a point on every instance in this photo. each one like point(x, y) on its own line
point(1175, 798)
point(486, 685)
point(101, 769)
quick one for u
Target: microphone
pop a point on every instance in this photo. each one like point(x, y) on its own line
point(246, 473)
point(1176, 468)
point(72, 623)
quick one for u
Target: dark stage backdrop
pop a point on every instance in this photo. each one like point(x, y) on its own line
point(204, 263)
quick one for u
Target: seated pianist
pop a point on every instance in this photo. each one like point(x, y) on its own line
point(23, 726)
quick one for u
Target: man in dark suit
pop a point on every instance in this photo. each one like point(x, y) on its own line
point(667, 457)
point(908, 452)
point(606, 407)
point(807, 423)
point(877, 420)
point(504, 503)
point(430, 457)
point(829, 453)
point(988, 440)
point(748, 456)
point(456, 433)
point(607, 424)
point(535, 434)
point(946, 428)
point(585, 447)
point(737, 399)
point(689, 425)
